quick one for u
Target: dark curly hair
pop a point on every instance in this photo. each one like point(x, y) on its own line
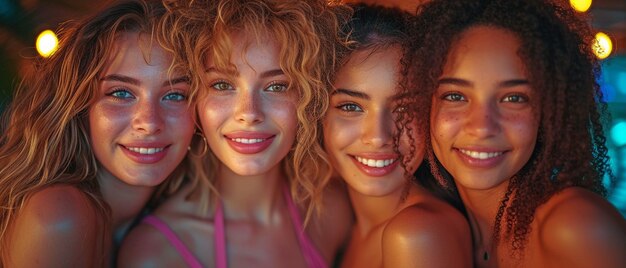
point(556, 48)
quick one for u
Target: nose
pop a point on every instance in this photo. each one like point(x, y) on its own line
point(147, 117)
point(378, 129)
point(482, 120)
point(248, 107)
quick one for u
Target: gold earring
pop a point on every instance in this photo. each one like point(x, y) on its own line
point(205, 146)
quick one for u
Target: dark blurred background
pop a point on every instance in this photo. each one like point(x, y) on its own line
point(21, 21)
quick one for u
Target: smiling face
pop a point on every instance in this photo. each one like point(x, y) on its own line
point(249, 117)
point(483, 123)
point(359, 126)
point(140, 123)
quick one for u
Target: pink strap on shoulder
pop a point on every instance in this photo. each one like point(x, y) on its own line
point(188, 257)
point(311, 254)
point(220, 238)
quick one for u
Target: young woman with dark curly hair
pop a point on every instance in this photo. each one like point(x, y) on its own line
point(398, 222)
point(516, 130)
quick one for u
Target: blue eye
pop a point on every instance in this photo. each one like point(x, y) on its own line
point(515, 98)
point(121, 94)
point(350, 107)
point(222, 86)
point(453, 97)
point(276, 87)
point(175, 96)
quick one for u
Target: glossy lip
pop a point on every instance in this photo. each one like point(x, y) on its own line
point(481, 163)
point(249, 148)
point(376, 171)
point(145, 158)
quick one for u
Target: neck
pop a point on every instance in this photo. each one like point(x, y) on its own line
point(482, 208)
point(126, 201)
point(251, 198)
point(374, 211)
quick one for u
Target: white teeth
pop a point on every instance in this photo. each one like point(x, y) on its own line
point(480, 155)
point(247, 141)
point(143, 150)
point(375, 162)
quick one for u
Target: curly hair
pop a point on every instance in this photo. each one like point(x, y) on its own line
point(556, 48)
point(46, 138)
point(308, 33)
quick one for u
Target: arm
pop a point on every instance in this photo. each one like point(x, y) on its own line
point(57, 227)
point(420, 237)
point(583, 230)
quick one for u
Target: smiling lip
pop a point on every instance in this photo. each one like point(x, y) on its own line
point(249, 142)
point(145, 153)
point(480, 158)
point(376, 165)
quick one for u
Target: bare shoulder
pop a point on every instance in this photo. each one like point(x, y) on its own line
point(144, 246)
point(330, 229)
point(580, 227)
point(61, 224)
point(147, 246)
point(427, 234)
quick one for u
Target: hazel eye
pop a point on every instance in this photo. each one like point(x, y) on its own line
point(276, 87)
point(222, 86)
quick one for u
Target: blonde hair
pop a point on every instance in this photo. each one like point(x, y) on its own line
point(46, 137)
point(310, 41)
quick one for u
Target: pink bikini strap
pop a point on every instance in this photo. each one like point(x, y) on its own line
point(188, 257)
point(220, 238)
point(311, 254)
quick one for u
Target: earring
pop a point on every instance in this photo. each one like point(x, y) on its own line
point(205, 146)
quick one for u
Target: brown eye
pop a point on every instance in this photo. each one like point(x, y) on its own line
point(453, 97)
point(222, 86)
point(515, 98)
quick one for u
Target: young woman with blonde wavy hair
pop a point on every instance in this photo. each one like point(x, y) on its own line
point(88, 138)
point(264, 68)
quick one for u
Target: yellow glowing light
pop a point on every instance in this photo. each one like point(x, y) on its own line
point(47, 43)
point(602, 46)
point(580, 5)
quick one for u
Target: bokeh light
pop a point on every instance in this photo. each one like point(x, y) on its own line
point(618, 134)
point(602, 46)
point(580, 5)
point(47, 43)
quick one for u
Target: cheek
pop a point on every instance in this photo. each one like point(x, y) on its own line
point(212, 112)
point(105, 121)
point(180, 121)
point(444, 124)
point(524, 128)
point(340, 132)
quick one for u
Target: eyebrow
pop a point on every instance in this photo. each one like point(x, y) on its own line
point(465, 83)
point(135, 82)
point(182, 79)
point(352, 93)
point(121, 78)
point(266, 74)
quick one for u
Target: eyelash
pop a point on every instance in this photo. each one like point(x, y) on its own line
point(115, 92)
point(181, 95)
point(344, 107)
point(221, 82)
point(448, 97)
point(277, 83)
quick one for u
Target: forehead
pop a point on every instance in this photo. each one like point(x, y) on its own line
point(485, 51)
point(246, 50)
point(374, 72)
point(132, 48)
